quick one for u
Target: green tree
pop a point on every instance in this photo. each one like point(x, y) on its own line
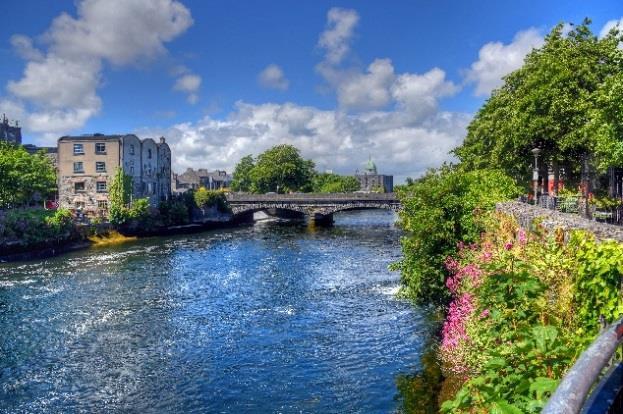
point(24, 178)
point(281, 169)
point(550, 102)
point(210, 198)
point(334, 183)
point(119, 197)
point(242, 174)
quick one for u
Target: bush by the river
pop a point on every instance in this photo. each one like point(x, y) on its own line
point(524, 306)
point(205, 198)
point(33, 227)
point(440, 210)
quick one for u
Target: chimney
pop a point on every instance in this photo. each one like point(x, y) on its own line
point(162, 140)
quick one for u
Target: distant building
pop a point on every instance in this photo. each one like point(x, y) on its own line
point(193, 180)
point(371, 180)
point(10, 133)
point(87, 163)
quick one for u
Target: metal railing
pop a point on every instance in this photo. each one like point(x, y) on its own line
point(573, 390)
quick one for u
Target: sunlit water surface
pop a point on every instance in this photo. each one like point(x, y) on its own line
point(268, 318)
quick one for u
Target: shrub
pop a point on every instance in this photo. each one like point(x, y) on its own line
point(440, 210)
point(524, 306)
point(211, 198)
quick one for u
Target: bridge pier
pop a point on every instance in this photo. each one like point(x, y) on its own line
point(324, 220)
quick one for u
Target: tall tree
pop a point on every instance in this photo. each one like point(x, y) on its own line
point(24, 177)
point(550, 102)
point(242, 174)
point(282, 169)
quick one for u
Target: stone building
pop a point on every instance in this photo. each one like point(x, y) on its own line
point(10, 133)
point(371, 180)
point(87, 163)
point(193, 180)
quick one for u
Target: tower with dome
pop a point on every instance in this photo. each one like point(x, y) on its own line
point(371, 181)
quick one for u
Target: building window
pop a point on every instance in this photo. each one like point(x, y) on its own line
point(78, 167)
point(101, 186)
point(100, 148)
point(132, 170)
point(100, 167)
point(103, 204)
point(131, 149)
point(80, 205)
point(78, 149)
point(149, 153)
point(79, 187)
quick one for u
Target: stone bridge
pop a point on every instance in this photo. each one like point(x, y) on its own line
point(319, 207)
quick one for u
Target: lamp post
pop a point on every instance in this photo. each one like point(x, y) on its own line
point(535, 174)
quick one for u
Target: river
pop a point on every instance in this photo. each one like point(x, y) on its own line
point(269, 318)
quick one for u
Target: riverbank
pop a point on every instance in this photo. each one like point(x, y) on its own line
point(81, 239)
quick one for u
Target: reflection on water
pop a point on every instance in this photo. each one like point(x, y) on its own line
point(266, 318)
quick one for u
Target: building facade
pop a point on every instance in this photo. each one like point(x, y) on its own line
point(193, 180)
point(370, 180)
point(86, 165)
point(10, 133)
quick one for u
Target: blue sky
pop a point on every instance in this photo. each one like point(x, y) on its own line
point(113, 66)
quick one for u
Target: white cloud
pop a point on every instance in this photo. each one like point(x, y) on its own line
point(399, 143)
point(190, 84)
point(58, 90)
point(611, 24)
point(272, 77)
point(370, 90)
point(496, 60)
point(338, 34)
point(24, 47)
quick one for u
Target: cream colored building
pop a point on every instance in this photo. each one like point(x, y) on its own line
point(87, 163)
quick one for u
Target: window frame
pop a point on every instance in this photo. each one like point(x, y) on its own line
point(100, 163)
point(81, 169)
point(81, 146)
point(82, 190)
point(100, 151)
point(97, 187)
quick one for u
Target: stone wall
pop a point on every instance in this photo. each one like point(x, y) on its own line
point(552, 219)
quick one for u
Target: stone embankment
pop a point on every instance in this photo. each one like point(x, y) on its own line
point(526, 214)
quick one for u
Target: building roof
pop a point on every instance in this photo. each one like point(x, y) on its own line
point(370, 167)
point(91, 137)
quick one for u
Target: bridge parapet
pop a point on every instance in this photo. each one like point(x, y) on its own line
point(311, 197)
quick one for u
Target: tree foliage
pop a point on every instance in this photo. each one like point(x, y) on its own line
point(211, 198)
point(440, 210)
point(24, 178)
point(242, 174)
point(119, 197)
point(557, 100)
point(334, 183)
point(280, 169)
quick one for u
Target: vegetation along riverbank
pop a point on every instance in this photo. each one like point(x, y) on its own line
point(521, 304)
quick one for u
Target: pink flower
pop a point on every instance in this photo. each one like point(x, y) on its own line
point(486, 256)
point(522, 237)
point(453, 332)
point(484, 313)
point(508, 245)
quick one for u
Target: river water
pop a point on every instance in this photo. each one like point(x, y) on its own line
point(269, 318)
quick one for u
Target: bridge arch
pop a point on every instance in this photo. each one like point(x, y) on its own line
point(319, 207)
